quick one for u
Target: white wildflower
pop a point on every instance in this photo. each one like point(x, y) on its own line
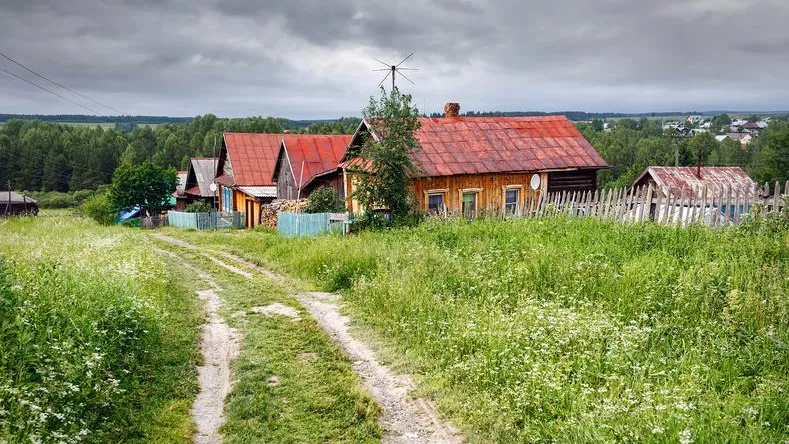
point(685, 437)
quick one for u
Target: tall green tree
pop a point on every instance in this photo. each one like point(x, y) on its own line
point(146, 185)
point(389, 159)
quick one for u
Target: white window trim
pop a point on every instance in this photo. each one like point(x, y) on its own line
point(442, 191)
point(462, 191)
point(504, 190)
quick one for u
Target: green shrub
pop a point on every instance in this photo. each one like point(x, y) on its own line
point(325, 200)
point(100, 209)
point(56, 199)
point(198, 207)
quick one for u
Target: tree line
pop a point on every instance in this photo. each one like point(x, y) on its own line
point(633, 145)
point(47, 156)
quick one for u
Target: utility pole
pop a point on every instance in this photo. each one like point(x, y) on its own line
point(8, 204)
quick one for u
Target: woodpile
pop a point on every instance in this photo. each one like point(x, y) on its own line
point(268, 212)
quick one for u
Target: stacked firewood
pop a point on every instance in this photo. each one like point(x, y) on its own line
point(268, 212)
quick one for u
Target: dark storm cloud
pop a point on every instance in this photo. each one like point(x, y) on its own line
point(304, 58)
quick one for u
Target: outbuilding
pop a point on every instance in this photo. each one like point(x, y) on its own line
point(15, 204)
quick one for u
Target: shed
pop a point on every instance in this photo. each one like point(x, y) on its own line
point(16, 204)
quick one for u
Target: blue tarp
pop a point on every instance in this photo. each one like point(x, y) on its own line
point(128, 213)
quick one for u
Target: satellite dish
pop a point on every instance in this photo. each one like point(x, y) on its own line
point(212, 187)
point(535, 182)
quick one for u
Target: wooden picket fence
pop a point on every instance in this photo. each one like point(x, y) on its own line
point(711, 207)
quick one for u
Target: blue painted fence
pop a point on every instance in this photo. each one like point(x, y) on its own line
point(205, 221)
point(306, 224)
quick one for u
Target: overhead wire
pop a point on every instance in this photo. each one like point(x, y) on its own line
point(59, 84)
point(49, 91)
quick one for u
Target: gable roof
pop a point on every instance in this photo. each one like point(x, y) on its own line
point(476, 145)
point(320, 154)
point(200, 176)
point(251, 156)
point(738, 136)
point(674, 179)
point(181, 184)
point(15, 197)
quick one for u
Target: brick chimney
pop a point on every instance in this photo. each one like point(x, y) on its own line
point(451, 109)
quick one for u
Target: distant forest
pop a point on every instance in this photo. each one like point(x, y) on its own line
point(126, 122)
point(37, 155)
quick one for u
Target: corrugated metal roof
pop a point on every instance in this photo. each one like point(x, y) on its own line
point(676, 179)
point(259, 191)
point(476, 145)
point(252, 157)
point(203, 169)
point(15, 197)
point(319, 154)
point(180, 186)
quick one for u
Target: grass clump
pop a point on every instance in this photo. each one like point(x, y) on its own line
point(571, 330)
point(97, 337)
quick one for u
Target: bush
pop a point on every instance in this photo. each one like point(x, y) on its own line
point(100, 209)
point(198, 207)
point(325, 200)
point(56, 199)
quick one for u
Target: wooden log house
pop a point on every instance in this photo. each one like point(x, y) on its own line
point(472, 164)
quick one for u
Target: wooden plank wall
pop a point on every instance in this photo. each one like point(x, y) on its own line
point(491, 189)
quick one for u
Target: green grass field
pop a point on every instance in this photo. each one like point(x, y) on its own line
point(98, 335)
point(568, 330)
point(99, 343)
point(104, 125)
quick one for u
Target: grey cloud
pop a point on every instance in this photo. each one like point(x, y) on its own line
point(304, 58)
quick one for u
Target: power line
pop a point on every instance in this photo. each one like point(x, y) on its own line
point(51, 92)
point(60, 84)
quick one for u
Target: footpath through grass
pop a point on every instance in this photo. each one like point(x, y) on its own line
point(569, 330)
point(292, 383)
point(98, 336)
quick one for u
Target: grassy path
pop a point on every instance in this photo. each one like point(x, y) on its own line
point(290, 382)
point(403, 419)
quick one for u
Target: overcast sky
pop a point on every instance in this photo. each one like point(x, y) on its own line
point(314, 58)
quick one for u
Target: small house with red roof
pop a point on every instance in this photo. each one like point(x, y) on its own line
point(690, 182)
point(468, 164)
point(246, 175)
point(308, 161)
point(243, 173)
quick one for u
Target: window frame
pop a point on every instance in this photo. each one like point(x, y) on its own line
point(477, 192)
point(436, 192)
point(518, 199)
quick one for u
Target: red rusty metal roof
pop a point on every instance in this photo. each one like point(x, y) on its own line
point(684, 180)
point(319, 154)
point(475, 145)
point(252, 157)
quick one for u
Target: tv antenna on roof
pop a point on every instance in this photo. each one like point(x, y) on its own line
point(393, 70)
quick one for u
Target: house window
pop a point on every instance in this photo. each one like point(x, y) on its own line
point(469, 202)
point(227, 199)
point(435, 203)
point(511, 198)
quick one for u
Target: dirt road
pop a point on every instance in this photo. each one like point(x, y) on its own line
point(404, 420)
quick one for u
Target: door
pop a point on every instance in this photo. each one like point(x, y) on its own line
point(249, 214)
